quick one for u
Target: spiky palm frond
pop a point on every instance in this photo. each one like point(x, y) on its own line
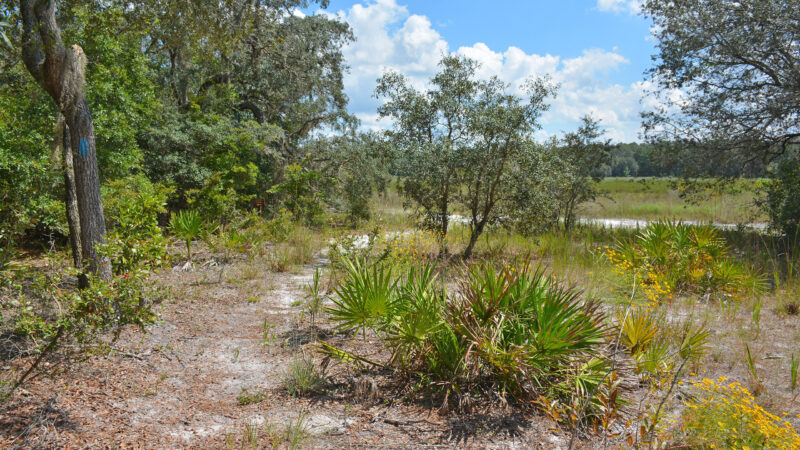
point(366, 298)
point(187, 225)
point(636, 329)
point(523, 325)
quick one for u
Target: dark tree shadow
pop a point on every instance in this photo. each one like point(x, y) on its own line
point(34, 427)
point(462, 427)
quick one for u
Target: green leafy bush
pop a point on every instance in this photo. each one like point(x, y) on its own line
point(366, 299)
point(513, 327)
point(132, 206)
point(279, 228)
point(523, 325)
point(53, 322)
point(303, 193)
point(673, 257)
point(28, 185)
point(187, 225)
point(221, 195)
point(782, 199)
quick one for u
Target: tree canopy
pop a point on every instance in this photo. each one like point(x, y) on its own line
point(727, 75)
point(461, 140)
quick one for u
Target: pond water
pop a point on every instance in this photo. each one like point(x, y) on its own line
point(363, 241)
point(641, 223)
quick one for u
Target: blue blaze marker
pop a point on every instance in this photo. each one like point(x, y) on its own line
point(83, 147)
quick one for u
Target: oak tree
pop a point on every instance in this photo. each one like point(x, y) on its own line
point(61, 71)
point(728, 78)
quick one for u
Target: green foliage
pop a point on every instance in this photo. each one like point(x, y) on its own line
point(298, 432)
point(537, 183)
point(782, 199)
point(360, 165)
point(514, 324)
point(302, 377)
point(219, 73)
point(29, 180)
point(583, 153)
point(132, 206)
point(220, 196)
point(280, 227)
point(523, 325)
point(119, 82)
point(736, 112)
point(366, 299)
point(187, 225)
point(655, 348)
point(302, 193)
point(56, 323)
point(226, 105)
point(200, 151)
point(121, 97)
point(676, 257)
point(638, 328)
point(462, 141)
point(751, 365)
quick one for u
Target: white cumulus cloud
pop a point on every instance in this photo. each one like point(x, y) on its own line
point(389, 37)
point(629, 6)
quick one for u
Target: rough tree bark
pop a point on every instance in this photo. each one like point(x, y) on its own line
point(70, 197)
point(61, 72)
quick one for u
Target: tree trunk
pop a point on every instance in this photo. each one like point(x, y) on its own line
point(444, 225)
point(475, 233)
point(87, 187)
point(62, 74)
point(70, 196)
point(568, 216)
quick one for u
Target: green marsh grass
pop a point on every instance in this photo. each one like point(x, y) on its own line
point(656, 198)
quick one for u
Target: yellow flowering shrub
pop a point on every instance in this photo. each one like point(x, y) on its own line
point(669, 257)
point(727, 416)
point(411, 248)
point(652, 283)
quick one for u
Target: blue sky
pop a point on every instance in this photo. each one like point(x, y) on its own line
point(597, 49)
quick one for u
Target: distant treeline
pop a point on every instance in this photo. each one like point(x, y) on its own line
point(645, 160)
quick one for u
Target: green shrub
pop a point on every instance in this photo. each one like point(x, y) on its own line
point(782, 198)
point(655, 344)
point(303, 193)
point(366, 299)
point(50, 319)
point(221, 197)
point(523, 325)
point(132, 206)
point(187, 225)
point(673, 257)
point(514, 324)
point(39, 306)
point(30, 184)
point(279, 228)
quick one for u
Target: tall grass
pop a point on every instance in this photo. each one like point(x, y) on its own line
point(657, 198)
